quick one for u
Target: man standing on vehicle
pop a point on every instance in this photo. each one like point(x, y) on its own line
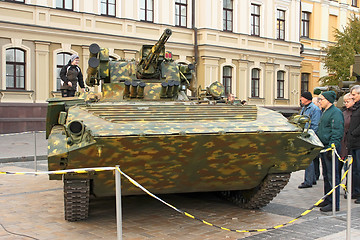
point(314, 113)
point(331, 130)
point(353, 141)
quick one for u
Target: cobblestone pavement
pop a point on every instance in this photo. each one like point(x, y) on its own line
point(33, 205)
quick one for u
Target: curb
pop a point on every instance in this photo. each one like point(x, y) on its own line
point(22, 159)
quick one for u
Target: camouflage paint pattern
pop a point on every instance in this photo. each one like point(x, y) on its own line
point(170, 71)
point(182, 148)
point(122, 70)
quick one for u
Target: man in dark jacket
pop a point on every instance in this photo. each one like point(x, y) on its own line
point(353, 142)
point(331, 130)
point(71, 74)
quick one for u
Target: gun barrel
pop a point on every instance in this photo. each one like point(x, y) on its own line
point(156, 49)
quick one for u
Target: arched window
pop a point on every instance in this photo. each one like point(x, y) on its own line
point(227, 79)
point(15, 68)
point(255, 82)
point(280, 84)
point(61, 60)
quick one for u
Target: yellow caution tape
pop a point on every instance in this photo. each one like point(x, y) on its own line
point(85, 170)
point(237, 230)
point(333, 148)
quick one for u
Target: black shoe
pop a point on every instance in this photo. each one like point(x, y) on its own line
point(357, 201)
point(352, 196)
point(323, 204)
point(328, 208)
point(303, 185)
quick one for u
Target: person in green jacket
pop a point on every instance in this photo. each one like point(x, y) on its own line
point(331, 130)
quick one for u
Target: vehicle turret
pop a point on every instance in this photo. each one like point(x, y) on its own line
point(155, 77)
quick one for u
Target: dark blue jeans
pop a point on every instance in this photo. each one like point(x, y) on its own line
point(326, 160)
point(310, 176)
point(356, 172)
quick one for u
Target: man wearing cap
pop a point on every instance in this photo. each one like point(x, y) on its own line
point(70, 75)
point(330, 131)
point(353, 141)
point(314, 113)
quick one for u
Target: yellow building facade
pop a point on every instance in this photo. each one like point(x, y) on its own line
point(318, 21)
point(253, 47)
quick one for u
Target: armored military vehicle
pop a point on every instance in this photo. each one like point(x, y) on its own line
point(144, 121)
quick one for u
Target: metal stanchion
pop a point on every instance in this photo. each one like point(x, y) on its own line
point(349, 189)
point(333, 183)
point(35, 154)
point(118, 203)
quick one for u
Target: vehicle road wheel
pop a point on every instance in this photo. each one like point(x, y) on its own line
point(76, 199)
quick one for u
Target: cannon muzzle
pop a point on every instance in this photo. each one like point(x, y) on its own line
point(148, 65)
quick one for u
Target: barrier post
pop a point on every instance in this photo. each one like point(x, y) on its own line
point(349, 190)
point(35, 153)
point(118, 203)
point(333, 182)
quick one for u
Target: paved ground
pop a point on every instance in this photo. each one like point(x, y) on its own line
point(34, 206)
point(21, 146)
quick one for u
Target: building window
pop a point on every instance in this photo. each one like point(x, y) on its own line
point(255, 82)
point(64, 4)
point(227, 79)
point(227, 15)
point(354, 3)
point(15, 68)
point(147, 10)
point(255, 20)
point(280, 29)
point(108, 7)
point(280, 84)
point(62, 59)
point(305, 82)
point(181, 13)
point(305, 24)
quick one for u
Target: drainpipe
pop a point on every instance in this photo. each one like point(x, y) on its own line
point(196, 49)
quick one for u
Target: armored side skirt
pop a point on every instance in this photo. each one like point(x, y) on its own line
point(187, 163)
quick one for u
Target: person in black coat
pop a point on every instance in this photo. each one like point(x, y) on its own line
point(353, 141)
point(70, 75)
